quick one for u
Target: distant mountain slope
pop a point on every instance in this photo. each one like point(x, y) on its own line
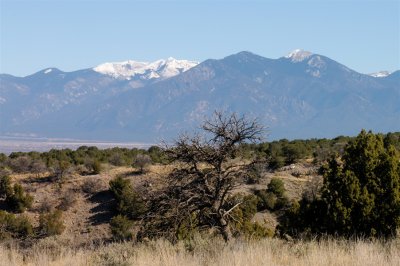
point(297, 96)
point(33, 105)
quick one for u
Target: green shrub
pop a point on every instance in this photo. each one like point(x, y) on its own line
point(118, 185)
point(277, 187)
point(121, 228)
point(129, 203)
point(157, 155)
point(15, 196)
point(5, 186)
point(267, 200)
point(14, 227)
point(19, 201)
point(276, 162)
point(188, 228)
point(96, 167)
point(304, 219)
point(51, 223)
point(249, 206)
point(293, 152)
point(93, 167)
point(242, 225)
point(255, 230)
point(273, 198)
point(243, 214)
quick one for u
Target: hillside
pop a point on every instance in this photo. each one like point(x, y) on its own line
point(85, 240)
point(87, 215)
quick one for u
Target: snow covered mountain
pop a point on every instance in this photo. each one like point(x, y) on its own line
point(380, 74)
point(300, 95)
point(298, 55)
point(160, 69)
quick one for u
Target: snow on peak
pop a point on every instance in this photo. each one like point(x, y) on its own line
point(147, 70)
point(380, 74)
point(298, 55)
point(47, 71)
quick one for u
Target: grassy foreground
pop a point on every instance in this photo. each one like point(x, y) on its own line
point(211, 252)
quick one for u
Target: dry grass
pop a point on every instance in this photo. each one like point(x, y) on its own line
point(211, 252)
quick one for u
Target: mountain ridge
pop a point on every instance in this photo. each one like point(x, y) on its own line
point(373, 74)
point(295, 98)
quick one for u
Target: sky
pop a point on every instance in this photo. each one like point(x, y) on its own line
point(72, 35)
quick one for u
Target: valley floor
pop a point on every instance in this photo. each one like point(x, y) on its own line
point(9, 145)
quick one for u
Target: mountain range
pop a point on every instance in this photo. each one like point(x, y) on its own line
point(301, 95)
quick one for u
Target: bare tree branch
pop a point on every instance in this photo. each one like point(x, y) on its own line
point(197, 192)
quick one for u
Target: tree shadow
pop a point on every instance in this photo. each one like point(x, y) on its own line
point(132, 173)
point(104, 210)
point(4, 206)
point(39, 180)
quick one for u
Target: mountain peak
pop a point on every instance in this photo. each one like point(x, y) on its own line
point(244, 56)
point(163, 68)
point(380, 74)
point(245, 53)
point(298, 55)
point(47, 71)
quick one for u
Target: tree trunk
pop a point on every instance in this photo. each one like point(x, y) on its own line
point(225, 229)
point(226, 233)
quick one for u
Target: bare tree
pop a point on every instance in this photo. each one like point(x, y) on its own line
point(198, 190)
point(38, 167)
point(141, 161)
point(62, 171)
point(21, 164)
point(313, 188)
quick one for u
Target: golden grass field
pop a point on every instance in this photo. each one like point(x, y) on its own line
point(211, 252)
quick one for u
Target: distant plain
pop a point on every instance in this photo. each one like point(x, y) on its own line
point(9, 145)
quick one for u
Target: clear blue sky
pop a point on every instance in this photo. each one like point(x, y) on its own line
point(71, 35)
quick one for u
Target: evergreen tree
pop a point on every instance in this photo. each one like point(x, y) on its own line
point(19, 200)
point(5, 186)
point(362, 194)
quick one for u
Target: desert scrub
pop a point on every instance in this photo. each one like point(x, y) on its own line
point(12, 226)
point(51, 223)
point(19, 200)
point(121, 228)
point(92, 185)
point(67, 200)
